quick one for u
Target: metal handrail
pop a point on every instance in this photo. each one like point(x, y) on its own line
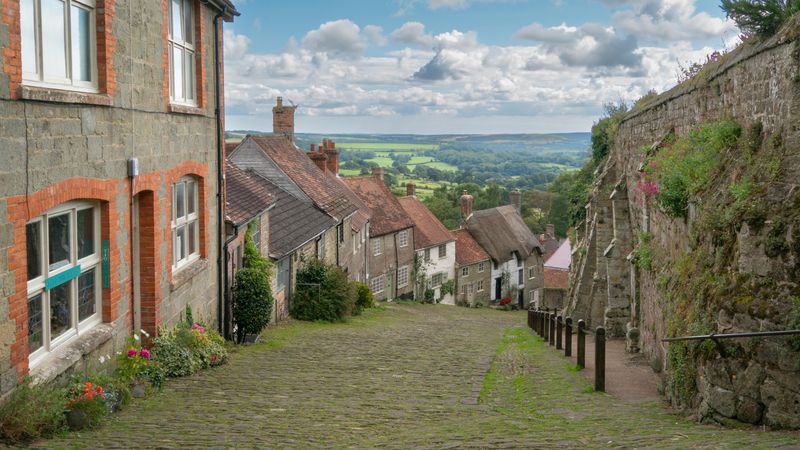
point(714, 336)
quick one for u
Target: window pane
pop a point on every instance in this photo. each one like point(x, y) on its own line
point(58, 234)
point(33, 237)
point(177, 22)
point(189, 69)
point(192, 238)
point(53, 39)
point(28, 31)
point(60, 310)
point(180, 244)
point(81, 44)
point(191, 197)
point(85, 233)
point(87, 300)
point(35, 333)
point(177, 73)
point(188, 29)
point(180, 207)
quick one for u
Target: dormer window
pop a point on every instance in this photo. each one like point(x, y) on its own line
point(59, 47)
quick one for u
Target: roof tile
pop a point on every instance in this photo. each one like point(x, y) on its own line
point(246, 195)
point(387, 214)
point(429, 231)
point(468, 251)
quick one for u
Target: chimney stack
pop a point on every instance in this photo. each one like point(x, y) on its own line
point(550, 230)
point(411, 190)
point(283, 120)
point(333, 157)
point(466, 207)
point(377, 172)
point(516, 199)
point(318, 158)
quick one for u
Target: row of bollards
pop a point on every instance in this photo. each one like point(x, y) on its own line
point(552, 328)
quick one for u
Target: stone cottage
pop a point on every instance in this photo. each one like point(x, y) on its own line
point(515, 251)
point(110, 219)
point(435, 247)
point(473, 271)
point(390, 252)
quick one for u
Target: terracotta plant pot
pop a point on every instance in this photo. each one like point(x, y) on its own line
point(77, 419)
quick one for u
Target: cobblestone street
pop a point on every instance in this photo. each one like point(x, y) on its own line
point(403, 376)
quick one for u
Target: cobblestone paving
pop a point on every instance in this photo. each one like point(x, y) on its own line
point(403, 376)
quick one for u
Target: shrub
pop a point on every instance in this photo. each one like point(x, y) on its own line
point(32, 411)
point(252, 302)
point(186, 349)
point(760, 17)
point(364, 298)
point(94, 401)
point(323, 293)
point(135, 364)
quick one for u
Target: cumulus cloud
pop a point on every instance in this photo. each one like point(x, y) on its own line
point(235, 45)
point(590, 45)
point(374, 35)
point(339, 37)
point(412, 33)
point(668, 20)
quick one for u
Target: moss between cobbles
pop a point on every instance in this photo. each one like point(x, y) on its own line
point(406, 376)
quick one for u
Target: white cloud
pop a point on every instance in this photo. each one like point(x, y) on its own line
point(339, 37)
point(412, 33)
point(235, 45)
point(374, 35)
point(668, 20)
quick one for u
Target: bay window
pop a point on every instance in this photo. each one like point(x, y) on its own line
point(185, 223)
point(182, 52)
point(64, 280)
point(59, 47)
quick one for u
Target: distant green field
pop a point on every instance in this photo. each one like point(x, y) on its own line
point(383, 161)
point(436, 165)
point(349, 172)
point(420, 160)
point(386, 146)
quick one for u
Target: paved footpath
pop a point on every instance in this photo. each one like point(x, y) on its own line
point(403, 376)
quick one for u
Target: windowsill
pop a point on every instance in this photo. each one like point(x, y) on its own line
point(187, 273)
point(70, 353)
point(46, 94)
point(177, 108)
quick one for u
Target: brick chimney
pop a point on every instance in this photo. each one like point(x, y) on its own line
point(516, 199)
point(377, 172)
point(466, 207)
point(319, 158)
point(549, 230)
point(333, 156)
point(411, 190)
point(283, 119)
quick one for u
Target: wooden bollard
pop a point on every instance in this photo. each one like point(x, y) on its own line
point(530, 319)
point(559, 332)
point(543, 334)
point(568, 336)
point(581, 344)
point(600, 360)
point(552, 329)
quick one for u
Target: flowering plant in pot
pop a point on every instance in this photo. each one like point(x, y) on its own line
point(89, 407)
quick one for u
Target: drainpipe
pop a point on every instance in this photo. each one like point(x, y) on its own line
point(222, 247)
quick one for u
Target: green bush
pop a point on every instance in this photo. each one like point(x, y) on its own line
point(186, 349)
point(32, 411)
point(252, 302)
point(324, 292)
point(364, 298)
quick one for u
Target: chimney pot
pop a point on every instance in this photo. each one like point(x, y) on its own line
point(411, 190)
point(333, 156)
point(516, 199)
point(283, 119)
point(280, 102)
point(550, 229)
point(377, 172)
point(466, 207)
point(313, 148)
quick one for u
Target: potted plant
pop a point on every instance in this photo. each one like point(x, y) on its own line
point(88, 407)
point(136, 367)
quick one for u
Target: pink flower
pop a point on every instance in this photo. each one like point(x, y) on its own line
point(199, 328)
point(144, 353)
point(132, 353)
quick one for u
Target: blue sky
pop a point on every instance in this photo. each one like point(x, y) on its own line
point(457, 66)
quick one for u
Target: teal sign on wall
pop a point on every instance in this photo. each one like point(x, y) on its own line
point(63, 277)
point(105, 262)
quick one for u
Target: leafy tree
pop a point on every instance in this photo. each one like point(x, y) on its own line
point(252, 302)
point(324, 292)
point(760, 17)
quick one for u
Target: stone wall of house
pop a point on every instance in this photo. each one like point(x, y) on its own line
point(60, 147)
point(750, 380)
point(467, 293)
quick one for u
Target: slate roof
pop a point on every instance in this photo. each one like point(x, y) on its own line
point(325, 191)
point(428, 231)
point(388, 216)
point(562, 258)
point(502, 232)
point(293, 222)
point(246, 195)
point(468, 251)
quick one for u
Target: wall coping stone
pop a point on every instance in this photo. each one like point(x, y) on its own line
point(44, 94)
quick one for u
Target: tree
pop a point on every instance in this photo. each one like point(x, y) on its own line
point(760, 17)
point(252, 302)
point(324, 292)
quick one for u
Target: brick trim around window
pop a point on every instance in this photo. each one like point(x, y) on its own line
point(171, 176)
point(201, 94)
